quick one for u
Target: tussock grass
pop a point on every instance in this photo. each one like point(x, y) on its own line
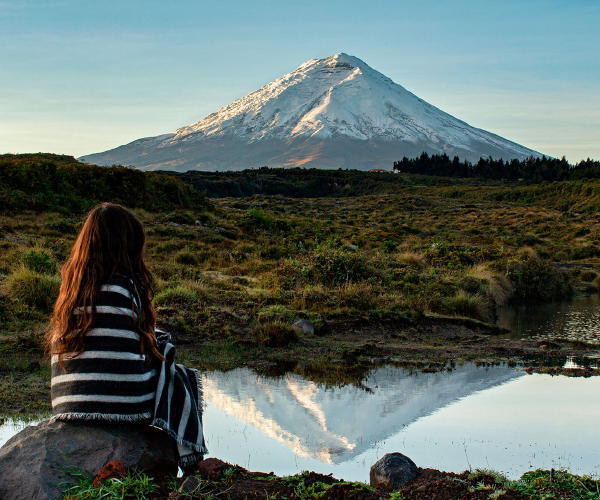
point(275, 334)
point(32, 288)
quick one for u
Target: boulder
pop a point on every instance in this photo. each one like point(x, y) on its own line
point(304, 326)
point(392, 471)
point(34, 462)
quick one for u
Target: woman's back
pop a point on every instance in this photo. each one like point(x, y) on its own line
point(110, 379)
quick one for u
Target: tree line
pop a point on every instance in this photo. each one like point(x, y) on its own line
point(541, 169)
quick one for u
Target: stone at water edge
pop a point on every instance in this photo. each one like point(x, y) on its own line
point(304, 326)
point(32, 463)
point(392, 471)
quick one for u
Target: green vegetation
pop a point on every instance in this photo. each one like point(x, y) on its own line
point(304, 182)
point(530, 169)
point(405, 275)
point(539, 484)
point(61, 183)
point(31, 288)
point(235, 482)
point(133, 486)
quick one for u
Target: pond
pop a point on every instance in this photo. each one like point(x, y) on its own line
point(578, 319)
point(470, 417)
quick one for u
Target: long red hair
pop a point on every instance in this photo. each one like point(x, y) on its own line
point(111, 241)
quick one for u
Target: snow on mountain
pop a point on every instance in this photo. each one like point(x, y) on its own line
point(329, 113)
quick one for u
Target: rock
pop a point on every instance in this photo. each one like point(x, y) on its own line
point(33, 462)
point(392, 471)
point(211, 468)
point(304, 326)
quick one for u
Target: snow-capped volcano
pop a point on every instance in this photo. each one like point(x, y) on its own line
point(328, 113)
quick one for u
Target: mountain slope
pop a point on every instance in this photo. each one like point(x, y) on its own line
point(329, 113)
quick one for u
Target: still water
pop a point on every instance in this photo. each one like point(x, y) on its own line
point(578, 319)
point(487, 417)
point(494, 417)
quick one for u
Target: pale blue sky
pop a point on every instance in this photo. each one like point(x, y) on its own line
point(82, 76)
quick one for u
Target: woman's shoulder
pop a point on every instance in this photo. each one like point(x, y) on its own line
point(119, 283)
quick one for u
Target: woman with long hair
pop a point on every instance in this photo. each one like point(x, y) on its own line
point(109, 361)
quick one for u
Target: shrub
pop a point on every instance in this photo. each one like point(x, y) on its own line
point(312, 296)
point(556, 484)
point(180, 217)
point(39, 260)
point(588, 276)
point(497, 286)
point(389, 246)
point(187, 258)
point(177, 296)
point(534, 280)
point(62, 227)
point(275, 334)
point(361, 296)
point(336, 266)
point(33, 288)
point(465, 304)
point(256, 218)
point(413, 259)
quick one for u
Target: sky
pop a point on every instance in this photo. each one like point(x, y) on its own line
point(83, 76)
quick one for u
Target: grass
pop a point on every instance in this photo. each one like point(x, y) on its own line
point(133, 486)
point(32, 288)
point(539, 484)
point(235, 481)
point(231, 280)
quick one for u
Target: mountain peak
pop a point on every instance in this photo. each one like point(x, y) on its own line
point(327, 112)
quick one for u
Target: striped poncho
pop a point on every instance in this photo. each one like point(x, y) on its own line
point(112, 381)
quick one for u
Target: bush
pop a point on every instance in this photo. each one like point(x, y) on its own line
point(360, 296)
point(177, 296)
point(187, 258)
point(33, 288)
point(535, 280)
point(256, 218)
point(465, 304)
point(39, 260)
point(336, 266)
point(62, 227)
point(312, 297)
point(588, 276)
point(180, 217)
point(275, 334)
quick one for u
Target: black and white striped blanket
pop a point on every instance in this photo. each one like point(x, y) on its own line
point(111, 380)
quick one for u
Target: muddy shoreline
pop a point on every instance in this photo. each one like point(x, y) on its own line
point(215, 478)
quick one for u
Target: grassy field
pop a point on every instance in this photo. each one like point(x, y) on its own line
point(411, 277)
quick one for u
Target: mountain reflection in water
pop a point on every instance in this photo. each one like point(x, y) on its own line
point(336, 424)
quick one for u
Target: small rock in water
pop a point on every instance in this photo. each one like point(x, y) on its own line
point(392, 471)
point(304, 326)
